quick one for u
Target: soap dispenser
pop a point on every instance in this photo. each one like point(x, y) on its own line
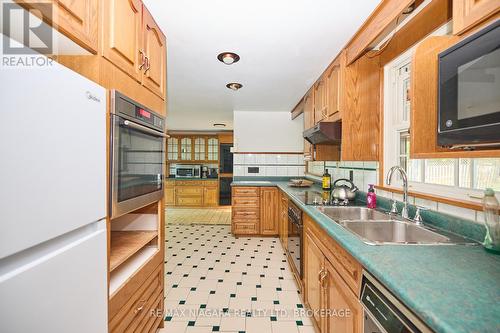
point(371, 197)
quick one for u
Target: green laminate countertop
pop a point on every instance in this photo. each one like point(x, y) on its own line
point(451, 288)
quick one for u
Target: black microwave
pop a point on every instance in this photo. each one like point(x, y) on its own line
point(469, 91)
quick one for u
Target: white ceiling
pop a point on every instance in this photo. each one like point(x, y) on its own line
point(284, 46)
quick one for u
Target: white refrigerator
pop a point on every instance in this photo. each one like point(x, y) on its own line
point(53, 266)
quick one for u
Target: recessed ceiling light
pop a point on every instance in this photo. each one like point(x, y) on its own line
point(219, 125)
point(234, 86)
point(228, 58)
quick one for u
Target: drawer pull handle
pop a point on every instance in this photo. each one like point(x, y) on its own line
point(139, 309)
point(320, 273)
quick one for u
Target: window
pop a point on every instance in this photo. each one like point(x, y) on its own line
point(453, 177)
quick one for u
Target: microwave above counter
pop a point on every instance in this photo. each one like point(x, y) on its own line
point(469, 92)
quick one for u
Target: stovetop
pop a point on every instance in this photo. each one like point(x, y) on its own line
point(316, 198)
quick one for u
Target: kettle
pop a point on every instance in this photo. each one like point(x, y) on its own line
point(343, 192)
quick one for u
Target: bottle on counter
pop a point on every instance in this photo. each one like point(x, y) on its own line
point(371, 197)
point(492, 221)
point(326, 181)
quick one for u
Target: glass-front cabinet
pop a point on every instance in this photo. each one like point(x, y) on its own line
point(173, 149)
point(199, 149)
point(186, 149)
point(213, 149)
point(193, 148)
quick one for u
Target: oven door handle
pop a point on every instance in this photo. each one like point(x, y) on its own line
point(145, 129)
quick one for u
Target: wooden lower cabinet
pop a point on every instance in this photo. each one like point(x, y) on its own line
point(138, 306)
point(269, 217)
point(169, 196)
point(332, 281)
point(210, 196)
point(314, 266)
point(191, 193)
point(345, 313)
point(245, 219)
point(255, 211)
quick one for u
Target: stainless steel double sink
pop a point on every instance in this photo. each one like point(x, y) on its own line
point(378, 228)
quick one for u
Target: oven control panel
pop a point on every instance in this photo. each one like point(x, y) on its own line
point(124, 106)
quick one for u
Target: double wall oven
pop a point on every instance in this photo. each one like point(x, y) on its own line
point(137, 155)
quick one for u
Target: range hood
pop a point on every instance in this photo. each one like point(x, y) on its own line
point(324, 133)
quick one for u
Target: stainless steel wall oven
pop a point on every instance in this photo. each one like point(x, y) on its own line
point(137, 155)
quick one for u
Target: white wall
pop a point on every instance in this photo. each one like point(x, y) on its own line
point(267, 132)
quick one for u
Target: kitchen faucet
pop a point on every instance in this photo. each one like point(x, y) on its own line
point(402, 172)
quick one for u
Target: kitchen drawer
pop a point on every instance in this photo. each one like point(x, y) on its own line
point(245, 228)
point(209, 183)
point(244, 214)
point(239, 202)
point(169, 182)
point(130, 315)
point(191, 190)
point(189, 200)
point(239, 191)
point(149, 317)
point(189, 182)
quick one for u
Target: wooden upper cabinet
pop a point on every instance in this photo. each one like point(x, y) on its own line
point(186, 148)
point(334, 77)
point(76, 19)
point(155, 52)
point(269, 210)
point(173, 149)
point(469, 13)
point(320, 100)
point(200, 147)
point(213, 149)
point(122, 35)
point(361, 116)
point(309, 109)
point(337, 296)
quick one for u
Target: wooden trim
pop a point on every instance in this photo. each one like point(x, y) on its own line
point(378, 22)
point(434, 15)
point(298, 109)
point(270, 152)
point(449, 201)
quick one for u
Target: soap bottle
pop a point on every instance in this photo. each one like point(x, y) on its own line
point(371, 197)
point(492, 221)
point(326, 181)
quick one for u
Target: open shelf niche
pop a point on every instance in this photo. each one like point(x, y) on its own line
point(133, 242)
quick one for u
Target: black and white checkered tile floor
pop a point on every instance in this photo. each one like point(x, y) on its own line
point(215, 282)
